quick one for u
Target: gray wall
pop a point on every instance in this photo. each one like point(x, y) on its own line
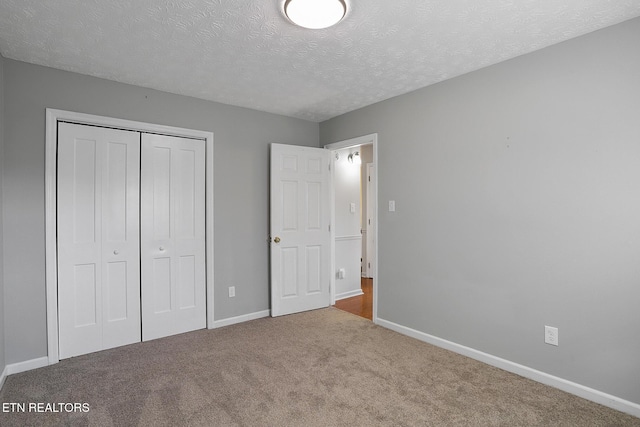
point(2, 352)
point(517, 191)
point(241, 139)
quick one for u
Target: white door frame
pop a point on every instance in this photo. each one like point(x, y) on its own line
point(355, 142)
point(53, 116)
point(371, 197)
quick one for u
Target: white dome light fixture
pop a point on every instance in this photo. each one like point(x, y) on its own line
point(315, 14)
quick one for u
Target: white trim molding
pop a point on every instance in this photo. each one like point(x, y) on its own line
point(3, 377)
point(346, 238)
point(27, 365)
point(16, 368)
point(240, 319)
point(579, 390)
point(349, 294)
point(51, 148)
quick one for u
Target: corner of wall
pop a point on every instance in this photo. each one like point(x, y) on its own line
point(2, 352)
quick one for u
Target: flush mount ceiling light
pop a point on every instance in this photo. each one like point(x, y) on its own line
point(315, 14)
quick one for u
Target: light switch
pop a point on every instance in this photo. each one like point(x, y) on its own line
point(352, 207)
point(392, 205)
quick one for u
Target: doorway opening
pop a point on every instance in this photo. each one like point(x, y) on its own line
point(354, 211)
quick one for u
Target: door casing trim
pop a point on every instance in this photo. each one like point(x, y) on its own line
point(53, 116)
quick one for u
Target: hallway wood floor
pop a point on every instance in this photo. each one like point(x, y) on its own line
point(362, 305)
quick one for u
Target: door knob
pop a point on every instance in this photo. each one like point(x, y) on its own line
point(162, 248)
point(277, 240)
point(116, 252)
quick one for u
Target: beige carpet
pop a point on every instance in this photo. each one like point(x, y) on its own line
point(320, 368)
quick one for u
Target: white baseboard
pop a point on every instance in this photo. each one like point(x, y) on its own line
point(580, 390)
point(16, 368)
point(240, 319)
point(27, 365)
point(3, 377)
point(349, 294)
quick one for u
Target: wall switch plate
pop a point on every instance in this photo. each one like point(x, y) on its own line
point(352, 207)
point(551, 335)
point(232, 291)
point(392, 205)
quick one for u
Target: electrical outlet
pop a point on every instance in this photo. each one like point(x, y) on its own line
point(551, 335)
point(232, 291)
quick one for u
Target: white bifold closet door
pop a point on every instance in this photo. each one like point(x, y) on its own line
point(131, 237)
point(98, 238)
point(172, 218)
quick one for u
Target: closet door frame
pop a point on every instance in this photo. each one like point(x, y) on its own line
point(53, 116)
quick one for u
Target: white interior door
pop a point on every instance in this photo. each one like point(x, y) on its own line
point(172, 243)
point(300, 216)
point(98, 238)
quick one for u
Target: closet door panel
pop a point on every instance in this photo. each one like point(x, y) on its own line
point(98, 239)
point(187, 282)
point(159, 158)
point(172, 235)
point(121, 240)
point(162, 292)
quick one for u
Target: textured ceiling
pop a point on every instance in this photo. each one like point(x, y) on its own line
point(246, 53)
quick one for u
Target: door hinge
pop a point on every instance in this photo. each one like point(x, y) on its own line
point(369, 178)
point(329, 228)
